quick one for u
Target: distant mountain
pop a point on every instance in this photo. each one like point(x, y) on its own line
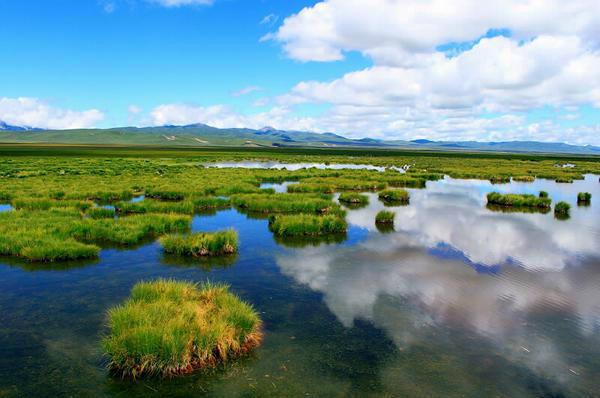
point(204, 135)
point(9, 127)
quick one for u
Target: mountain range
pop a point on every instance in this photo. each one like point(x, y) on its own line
point(204, 135)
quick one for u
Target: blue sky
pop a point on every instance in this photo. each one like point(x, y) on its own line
point(380, 68)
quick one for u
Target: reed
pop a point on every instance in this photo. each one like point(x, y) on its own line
point(168, 328)
point(201, 244)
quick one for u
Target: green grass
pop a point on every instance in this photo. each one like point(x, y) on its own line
point(307, 224)
point(584, 198)
point(524, 178)
point(385, 217)
point(285, 203)
point(561, 210)
point(543, 194)
point(395, 196)
point(201, 244)
point(101, 212)
point(155, 206)
point(127, 230)
point(518, 200)
point(353, 198)
point(168, 328)
point(47, 204)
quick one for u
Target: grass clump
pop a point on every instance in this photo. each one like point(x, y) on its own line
point(543, 194)
point(561, 210)
point(34, 204)
point(584, 198)
point(395, 196)
point(385, 217)
point(353, 198)
point(155, 206)
point(564, 180)
point(168, 328)
point(127, 230)
point(307, 224)
point(101, 212)
point(524, 178)
point(518, 200)
point(284, 203)
point(201, 244)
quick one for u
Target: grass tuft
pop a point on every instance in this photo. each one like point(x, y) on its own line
point(307, 224)
point(584, 198)
point(201, 244)
point(518, 200)
point(353, 198)
point(561, 210)
point(168, 328)
point(395, 196)
point(385, 217)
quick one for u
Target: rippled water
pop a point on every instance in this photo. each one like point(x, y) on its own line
point(459, 300)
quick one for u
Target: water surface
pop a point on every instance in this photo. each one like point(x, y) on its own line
point(458, 300)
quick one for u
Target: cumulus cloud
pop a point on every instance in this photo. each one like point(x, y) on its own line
point(34, 112)
point(549, 56)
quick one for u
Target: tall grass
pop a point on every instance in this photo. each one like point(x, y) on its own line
point(101, 212)
point(201, 244)
point(155, 206)
point(518, 200)
point(47, 204)
point(169, 328)
point(395, 196)
point(307, 224)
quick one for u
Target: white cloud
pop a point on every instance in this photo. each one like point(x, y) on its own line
point(134, 109)
point(34, 112)
point(270, 20)
point(179, 3)
point(552, 59)
point(246, 90)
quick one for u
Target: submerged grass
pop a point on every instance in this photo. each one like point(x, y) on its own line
point(518, 200)
point(307, 224)
point(395, 196)
point(201, 244)
point(168, 328)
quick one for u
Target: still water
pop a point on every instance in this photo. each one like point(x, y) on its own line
point(459, 300)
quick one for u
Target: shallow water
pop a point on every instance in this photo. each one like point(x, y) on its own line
point(300, 166)
point(458, 301)
point(5, 207)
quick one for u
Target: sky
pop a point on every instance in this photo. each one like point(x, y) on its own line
point(499, 70)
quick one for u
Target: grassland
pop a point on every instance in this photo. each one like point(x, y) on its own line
point(57, 192)
point(169, 328)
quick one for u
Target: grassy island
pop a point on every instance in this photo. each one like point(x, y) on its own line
point(201, 244)
point(395, 196)
point(353, 198)
point(307, 224)
point(385, 217)
point(518, 200)
point(168, 328)
point(561, 210)
point(584, 198)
